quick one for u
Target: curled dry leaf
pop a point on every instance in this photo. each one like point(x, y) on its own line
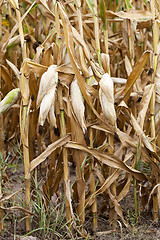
point(134, 75)
point(105, 62)
point(7, 77)
point(138, 15)
point(52, 147)
point(14, 68)
point(108, 159)
point(145, 104)
point(148, 145)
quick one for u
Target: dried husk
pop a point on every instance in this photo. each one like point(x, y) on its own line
point(106, 97)
point(47, 102)
point(46, 95)
point(105, 60)
point(78, 104)
point(48, 79)
point(52, 117)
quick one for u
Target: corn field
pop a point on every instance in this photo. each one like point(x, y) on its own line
point(80, 85)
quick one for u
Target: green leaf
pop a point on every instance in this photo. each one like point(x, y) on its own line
point(9, 100)
point(128, 4)
point(102, 12)
point(91, 6)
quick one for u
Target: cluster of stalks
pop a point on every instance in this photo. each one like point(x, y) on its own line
point(80, 83)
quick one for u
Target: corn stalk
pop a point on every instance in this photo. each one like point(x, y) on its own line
point(1, 155)
point(1, 136)
point(92, 181)
point(112, 214)
point(152, 103)
point(65, 160)
point(24, 127)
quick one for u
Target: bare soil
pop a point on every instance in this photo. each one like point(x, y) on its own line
point(14, 224)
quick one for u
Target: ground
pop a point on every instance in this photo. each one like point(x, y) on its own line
point(14, 222)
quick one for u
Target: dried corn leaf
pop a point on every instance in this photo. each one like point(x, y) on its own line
point(107, 159)
point(128, 65)
point(125, 189)
point(78, 38)
point(107, 183)
point(14, 68)
point(68, 196)
point(140, 132)
point(137, 69)
point(36, 67)
point(144, 138)
point(114, 200)
point(69, 42)
point(145, 104)
point(118, 208)
point(127, 140)
point(4, 198)
point(100, 127)
point(65, 69)
point(47, 59)
point(19, 208)
point(52, 147)
point(45, 10)
point(7, 77)
point(138, 15)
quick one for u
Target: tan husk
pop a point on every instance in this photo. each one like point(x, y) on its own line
point(78, 104)
point(106, 97)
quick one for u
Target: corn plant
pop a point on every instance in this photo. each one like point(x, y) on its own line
point(79, 82)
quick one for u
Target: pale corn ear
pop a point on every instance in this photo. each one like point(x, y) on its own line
point(78, 104)
point(106, 85)
point(52, 119)
point(48, 79)
point(106, 97)
point(105, 60)
point(45, 105)
point(9, 100)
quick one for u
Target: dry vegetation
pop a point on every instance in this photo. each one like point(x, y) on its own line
point(82, 79)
